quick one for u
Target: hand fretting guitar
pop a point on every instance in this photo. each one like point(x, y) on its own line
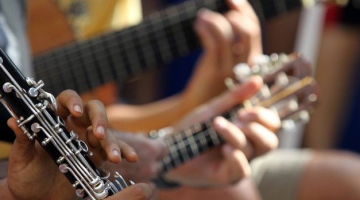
point(121, 55)
point(289, 90)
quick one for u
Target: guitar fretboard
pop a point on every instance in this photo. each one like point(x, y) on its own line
point(120, 55)
point(191, 142)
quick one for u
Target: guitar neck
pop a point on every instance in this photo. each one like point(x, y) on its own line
point(120, 55)
point(191, 142)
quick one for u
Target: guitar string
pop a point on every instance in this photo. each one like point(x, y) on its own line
point(131, 40)
point(65, 62)
point(92, 73)
point(93, 69)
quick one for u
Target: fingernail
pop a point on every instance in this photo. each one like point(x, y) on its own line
point(238, 2)
point(77, 109)
point(100, 130)
point(221, 122)
point(116, 152)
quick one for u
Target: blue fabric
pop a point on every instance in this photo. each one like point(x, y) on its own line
point(350, 131)
point(180, 70)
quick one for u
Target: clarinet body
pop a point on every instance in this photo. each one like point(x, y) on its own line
point(35, 112)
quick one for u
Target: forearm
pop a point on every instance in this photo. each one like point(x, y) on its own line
point(149, 116)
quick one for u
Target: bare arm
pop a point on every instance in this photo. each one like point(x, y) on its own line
point(227, 40)
point(150, 116)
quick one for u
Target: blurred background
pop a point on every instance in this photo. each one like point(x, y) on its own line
point(327, 35)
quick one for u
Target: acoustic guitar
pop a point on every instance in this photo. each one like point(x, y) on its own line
point(122, 55)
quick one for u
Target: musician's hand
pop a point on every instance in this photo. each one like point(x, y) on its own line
point(249, 135)
point(150, 152)
point(33, 175)
point(90, 122)
point(227, 39)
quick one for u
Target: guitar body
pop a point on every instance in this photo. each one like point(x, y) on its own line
point(49, 28)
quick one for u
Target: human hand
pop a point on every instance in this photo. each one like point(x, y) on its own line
point(227, 40)
point(150, 154)
point(251, 134)
point(33, 175)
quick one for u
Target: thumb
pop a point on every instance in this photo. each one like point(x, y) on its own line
point(23, 148)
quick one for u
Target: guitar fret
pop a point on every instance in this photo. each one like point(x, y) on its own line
point(169, 35)
point(80, 80)
point(58, 76)
point(50, 81)
point(122, 52)
point(202, 140)
point(177, 30)
point(120, 55)
point(131, 54)
point(191, 142)
point(116, 58)
point(140, 51)
point(104, 64)
point(68, 76)
point(162, 42)
point(147, 48)
point(175, 155)
point(86, 65)
point(116, 73)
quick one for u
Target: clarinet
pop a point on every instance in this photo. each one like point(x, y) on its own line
point(35, 112)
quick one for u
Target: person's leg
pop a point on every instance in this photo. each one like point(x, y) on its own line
point(331, 175)
point(243, 190)
point(278, 173)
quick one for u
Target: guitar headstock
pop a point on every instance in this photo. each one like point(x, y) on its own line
point(288, 86)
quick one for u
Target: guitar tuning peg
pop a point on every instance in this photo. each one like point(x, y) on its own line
point(261, 59)
point(242, 72)
point(230, 83)
point(287, 124)
point(265, 91)
point(304, 116)
point(274, 57)
point(284, 58)
point(282, 79)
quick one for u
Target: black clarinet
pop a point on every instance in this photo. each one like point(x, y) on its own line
point(35, 112)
